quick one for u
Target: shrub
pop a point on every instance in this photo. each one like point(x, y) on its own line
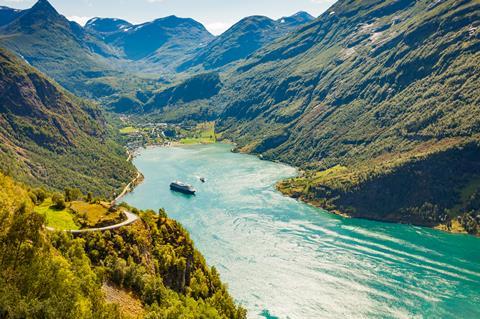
point(58, 201)
point(72, 194)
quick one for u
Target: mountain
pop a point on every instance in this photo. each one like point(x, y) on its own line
point(7, 15)
point(56, 46)
point(51, 138)
point(196, 89)
point(160, 42)
point(105, 26)
point(370, 96)
point(363, 73)
point(243, 39)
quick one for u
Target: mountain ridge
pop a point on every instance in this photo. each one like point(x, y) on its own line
point(57, 46)
point(106, 25)
point(158, 42)
point(244, 38)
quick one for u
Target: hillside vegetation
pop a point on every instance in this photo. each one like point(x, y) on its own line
point(406, 75)
point(372, 86)
point(51, 138)
point(433, 189)
point(52, 275)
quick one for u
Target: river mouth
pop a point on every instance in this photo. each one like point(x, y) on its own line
point(285, 259)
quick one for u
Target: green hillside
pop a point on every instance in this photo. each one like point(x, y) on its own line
point(52, 275)
point(370, 85)
point(51, 138)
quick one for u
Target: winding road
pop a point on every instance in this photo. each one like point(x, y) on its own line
point(131, 218)
point(127, 188)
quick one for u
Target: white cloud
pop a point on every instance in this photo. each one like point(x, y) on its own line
point(217, 28)
point(80, 20)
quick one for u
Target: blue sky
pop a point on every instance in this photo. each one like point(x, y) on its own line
point(216, 15)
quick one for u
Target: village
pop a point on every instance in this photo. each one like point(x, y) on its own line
point(140, 135)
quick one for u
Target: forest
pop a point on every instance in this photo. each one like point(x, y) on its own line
point(55, 275)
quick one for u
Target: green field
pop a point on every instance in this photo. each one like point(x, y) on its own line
point(58, 219)
point(128, 130)
point(90, 215)
point(204, 133)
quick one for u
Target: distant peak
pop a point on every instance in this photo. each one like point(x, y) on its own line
point(296, 19)
point(92, 20)
point(173, 18)
point(256, 19)
point(107, 25)
point(303, 14)
point(43, 5)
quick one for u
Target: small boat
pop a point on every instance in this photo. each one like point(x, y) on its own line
point(182, 188)
point(202, 179)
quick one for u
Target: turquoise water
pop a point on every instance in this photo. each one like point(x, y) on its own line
point(285, 259)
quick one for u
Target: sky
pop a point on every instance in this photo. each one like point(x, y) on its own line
point(216, 15)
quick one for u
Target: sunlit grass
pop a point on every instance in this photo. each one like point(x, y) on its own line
point(204, 133)
point(94, 213)
point(128, 130)
point(55, 218)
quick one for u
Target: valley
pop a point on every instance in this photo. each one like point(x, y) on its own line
point(312, 93)
point(310, 134)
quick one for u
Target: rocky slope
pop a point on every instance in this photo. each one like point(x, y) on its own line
point(51, 138)
point(7, 15)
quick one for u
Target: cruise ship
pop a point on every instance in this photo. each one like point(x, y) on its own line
point(182, 188)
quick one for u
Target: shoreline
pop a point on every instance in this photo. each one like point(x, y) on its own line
point(439, 227)
point(130, 186)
